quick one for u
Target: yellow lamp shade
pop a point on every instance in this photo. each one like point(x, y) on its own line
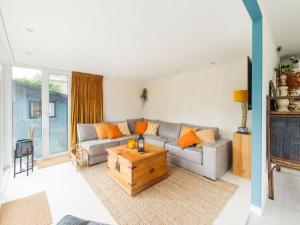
point(240, 95)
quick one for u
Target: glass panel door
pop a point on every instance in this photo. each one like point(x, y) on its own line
point(40, 110)
point(27, 106)
point(58, 113)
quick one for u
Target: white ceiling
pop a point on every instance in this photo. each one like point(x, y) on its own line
point(284, 19)
point(130, 38)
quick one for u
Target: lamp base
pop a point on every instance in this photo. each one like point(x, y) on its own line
point(243, 130)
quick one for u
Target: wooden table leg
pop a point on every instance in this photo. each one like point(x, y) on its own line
point(271, 182)
point(27, 165)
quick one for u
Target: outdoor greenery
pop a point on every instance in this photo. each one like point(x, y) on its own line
point(37, 82)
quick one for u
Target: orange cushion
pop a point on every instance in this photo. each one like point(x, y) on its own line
point(185, 130)
point(141, 127)
point(188, 139)
point(113, 131)
point(101, 130)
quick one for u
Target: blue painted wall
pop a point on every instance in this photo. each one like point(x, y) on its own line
point(58, 126)
point(256, 16)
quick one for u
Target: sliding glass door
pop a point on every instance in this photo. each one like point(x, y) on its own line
point(40, 110)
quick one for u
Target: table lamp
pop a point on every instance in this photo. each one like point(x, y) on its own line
point(242, 97)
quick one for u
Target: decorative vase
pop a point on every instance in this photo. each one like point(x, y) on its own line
point(283, 103)
point(31, 131)
point(132, 143)
point(283, 79)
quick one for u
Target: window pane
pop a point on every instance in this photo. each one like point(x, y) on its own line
point(58, 113)
point(35, 109)
point(27, 107)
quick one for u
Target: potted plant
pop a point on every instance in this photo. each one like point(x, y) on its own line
point(144, 96)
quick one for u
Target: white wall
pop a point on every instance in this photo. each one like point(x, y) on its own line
point(7, 115)
point(201, 97)
point(122, 98)
point(1, 129)
point(270, 61)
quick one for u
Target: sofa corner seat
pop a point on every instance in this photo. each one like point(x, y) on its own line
point(211, 161)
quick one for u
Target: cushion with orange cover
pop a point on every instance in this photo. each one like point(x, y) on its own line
point(141, 127)
point(185, 130)
point(101, 130)
point(113, 131)
point(188, 139)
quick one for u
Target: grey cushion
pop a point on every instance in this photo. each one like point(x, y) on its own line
point(157, 140)
point(72, 220)
point(200, 128)
point(131, 124)
point(99, 146)
point(192, 154)
point(168, 130)
point(86, 132)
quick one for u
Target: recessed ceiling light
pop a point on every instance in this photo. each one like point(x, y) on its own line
point(28, 53)
point(29, 30)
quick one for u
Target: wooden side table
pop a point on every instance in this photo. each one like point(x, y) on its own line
point(241, 154)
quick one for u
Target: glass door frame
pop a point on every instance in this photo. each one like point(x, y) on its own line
point(45, 107)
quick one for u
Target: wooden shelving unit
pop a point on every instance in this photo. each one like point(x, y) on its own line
point(278, 157)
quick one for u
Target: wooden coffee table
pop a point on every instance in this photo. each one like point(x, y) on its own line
point(135, 171)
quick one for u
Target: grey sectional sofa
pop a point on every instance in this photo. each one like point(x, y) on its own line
point(211, 161)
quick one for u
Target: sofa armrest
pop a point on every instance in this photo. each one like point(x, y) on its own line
point(217, 158)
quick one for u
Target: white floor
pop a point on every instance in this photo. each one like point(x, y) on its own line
point(68, 193)
point(285, 208)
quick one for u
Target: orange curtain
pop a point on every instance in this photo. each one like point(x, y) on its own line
point(86, 101)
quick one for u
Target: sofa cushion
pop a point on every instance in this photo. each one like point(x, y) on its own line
point(157, 140)
point(123, 127)
point(192, 154)
point(188, 139)
point(168, 130)
point(141, 127)
point(113, 131)
point(201, 128)
point(152, 128)
point(206, 136)
point(86, 132)
point(101, 130)
point(131, 124)
point(68, 220)
point(99, 146)
point(185, 130)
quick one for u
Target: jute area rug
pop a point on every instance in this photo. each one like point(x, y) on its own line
point(182, 198)
point(52, 162)
point(31, 210)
